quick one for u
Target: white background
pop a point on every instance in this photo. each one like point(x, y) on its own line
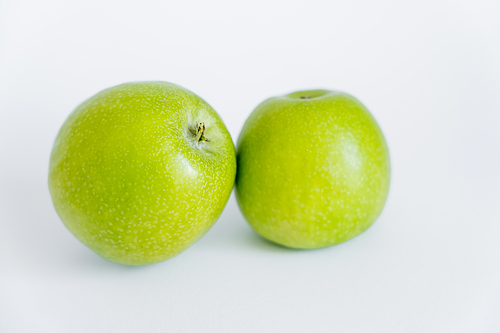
point(428, 70)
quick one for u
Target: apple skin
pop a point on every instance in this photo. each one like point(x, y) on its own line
point(130, 180)
point(313, 169)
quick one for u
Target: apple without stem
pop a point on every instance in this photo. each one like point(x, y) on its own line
point(140, 171)
point(313, 169)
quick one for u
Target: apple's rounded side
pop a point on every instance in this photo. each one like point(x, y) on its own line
point(127, 181)
point(311, 172)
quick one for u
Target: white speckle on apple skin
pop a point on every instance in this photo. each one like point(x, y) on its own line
point(127, 182)
point(312, 172)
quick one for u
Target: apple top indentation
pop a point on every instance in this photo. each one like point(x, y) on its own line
point(307, 95)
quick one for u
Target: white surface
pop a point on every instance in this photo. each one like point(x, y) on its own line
point(428, 70)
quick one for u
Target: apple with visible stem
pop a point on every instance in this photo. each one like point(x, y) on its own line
point(140, 171)
point(313, 169)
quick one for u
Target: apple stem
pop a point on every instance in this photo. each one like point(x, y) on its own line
point(200, 132)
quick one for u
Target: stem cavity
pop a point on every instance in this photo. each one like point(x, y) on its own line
point(199, 129)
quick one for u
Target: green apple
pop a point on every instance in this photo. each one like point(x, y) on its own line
point(313, 169)
point(140, 171)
